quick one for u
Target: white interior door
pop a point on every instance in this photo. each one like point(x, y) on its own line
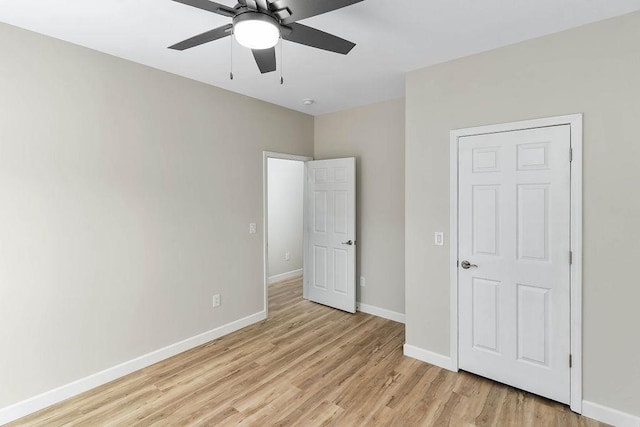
point(330, 233)
point(514, 230)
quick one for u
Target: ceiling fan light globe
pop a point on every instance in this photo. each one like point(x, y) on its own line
point(256, 32)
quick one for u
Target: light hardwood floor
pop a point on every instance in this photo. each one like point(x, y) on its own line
point(305, 365)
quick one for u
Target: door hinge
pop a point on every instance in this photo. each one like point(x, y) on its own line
point(571, 361)
point(570, 257)
point(570, 155)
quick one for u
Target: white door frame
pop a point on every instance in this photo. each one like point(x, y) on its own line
point(575, 122)
point(266, 155)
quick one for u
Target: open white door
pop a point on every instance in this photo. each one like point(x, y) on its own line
point(330, 233)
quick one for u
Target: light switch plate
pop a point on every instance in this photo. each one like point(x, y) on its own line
point(438, 238)
point(252, 228)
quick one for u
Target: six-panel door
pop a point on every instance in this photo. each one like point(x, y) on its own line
point(330, 236)
point(514, 224)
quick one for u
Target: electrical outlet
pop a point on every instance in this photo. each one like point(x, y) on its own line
point(216, 300)
point(287, 256)
point(252, 228)
point(362, 282)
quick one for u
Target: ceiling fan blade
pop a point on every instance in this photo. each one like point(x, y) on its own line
point(262, 5)
point(206, 37)
point(210, 6)
point(315, 38)
point(266, 59)
point(301, 9)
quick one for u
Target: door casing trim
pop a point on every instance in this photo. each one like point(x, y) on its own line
point(266, 155)
point(575, 123)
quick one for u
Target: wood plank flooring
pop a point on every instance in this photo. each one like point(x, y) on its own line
point(305, 365)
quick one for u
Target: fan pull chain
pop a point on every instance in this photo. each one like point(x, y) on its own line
point(231, 59)
point(281, 62)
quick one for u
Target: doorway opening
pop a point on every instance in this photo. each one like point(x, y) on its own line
point(283, 218)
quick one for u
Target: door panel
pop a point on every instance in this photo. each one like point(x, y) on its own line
point(320, 211)
point(341, 213)
point(533, 324)
point(514, 225)
point(329, 225)
point(486, 318)
point(485, 219)
point(533, 222)
point(320, 267)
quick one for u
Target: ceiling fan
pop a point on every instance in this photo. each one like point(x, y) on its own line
point(259, 24)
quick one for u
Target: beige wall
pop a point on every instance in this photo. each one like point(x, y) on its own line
point(286, 189)
point(125, 199)
point(375, 136)
point(593, 70)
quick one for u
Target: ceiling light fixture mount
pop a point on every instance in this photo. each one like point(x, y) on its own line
point(308, 101)
point(256, 30)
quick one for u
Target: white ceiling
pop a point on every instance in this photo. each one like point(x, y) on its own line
point(392, 37)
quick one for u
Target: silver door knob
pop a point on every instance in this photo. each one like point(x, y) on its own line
point(348, 242)
point(467, 265)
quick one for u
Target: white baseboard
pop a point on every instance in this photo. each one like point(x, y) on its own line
point(429, 357)
point(609, 415)
point(284, 276)
point(381, 312)
point(41, 401)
